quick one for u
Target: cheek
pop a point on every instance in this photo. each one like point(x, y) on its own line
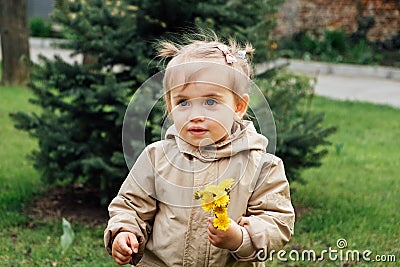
point(224, 113)
point(179, 118)
point(223, 120)
point(228, 124)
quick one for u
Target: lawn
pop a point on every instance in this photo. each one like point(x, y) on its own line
point(354, 195)
point(27, 242)
point(18, 179)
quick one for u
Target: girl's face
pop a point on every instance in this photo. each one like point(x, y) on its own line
point(204, 113)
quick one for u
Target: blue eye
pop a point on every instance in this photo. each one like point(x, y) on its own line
point(183, 103)
point(210, 102)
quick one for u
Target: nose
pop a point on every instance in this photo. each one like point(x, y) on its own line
point(196, 114)
point(197, 118)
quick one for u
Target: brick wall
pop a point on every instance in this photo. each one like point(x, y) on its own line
point(300, 15)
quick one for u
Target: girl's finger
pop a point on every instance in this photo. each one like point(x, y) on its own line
point(124, 248)
point(121, 259)
point(210, 234)
point(211, 227)
point(133, 243)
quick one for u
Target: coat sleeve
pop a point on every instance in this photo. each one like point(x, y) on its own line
point(270, 217)
point(134, 208)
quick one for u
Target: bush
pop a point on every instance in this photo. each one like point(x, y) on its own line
point(326, 45)
point(301, 138)
point(39, 27)
point(338, 47)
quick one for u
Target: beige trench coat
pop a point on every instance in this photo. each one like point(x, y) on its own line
point(156, 201)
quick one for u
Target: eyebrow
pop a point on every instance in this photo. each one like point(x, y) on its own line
point(180, 96)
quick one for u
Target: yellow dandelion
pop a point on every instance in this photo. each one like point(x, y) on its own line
point(218, 211)
point(222, 222)
point(222, 201)
point(217, 192)
point(226, 184)
point(214, 189)
point(208, 206)
point(215, 198)
point(207, 202)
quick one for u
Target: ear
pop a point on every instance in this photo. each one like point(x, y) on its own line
point(241, 106)
point(167, 100)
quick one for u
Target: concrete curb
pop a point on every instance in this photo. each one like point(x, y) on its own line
point(345, 69)
point(315, 68)
point(35, 42)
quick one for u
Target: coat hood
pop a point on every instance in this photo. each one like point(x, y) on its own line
point(244, 137)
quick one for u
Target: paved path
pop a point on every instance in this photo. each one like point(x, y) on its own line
point(374, 84)
point(339, 81)
point(375, 90)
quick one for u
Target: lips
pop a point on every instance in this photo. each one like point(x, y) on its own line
point(197, 130)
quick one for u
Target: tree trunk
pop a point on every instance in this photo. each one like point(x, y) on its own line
point(14, 42)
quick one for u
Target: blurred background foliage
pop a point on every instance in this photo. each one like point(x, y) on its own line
point(337, 46)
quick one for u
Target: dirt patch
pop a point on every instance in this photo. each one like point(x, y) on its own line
point(80, 205)
point(76, 204)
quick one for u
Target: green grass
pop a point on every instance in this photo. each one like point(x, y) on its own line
point(27, 242)
point(17, 178)
point(355, 194)
point(39, 245)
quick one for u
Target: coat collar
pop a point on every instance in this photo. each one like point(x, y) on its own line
point(244, 137)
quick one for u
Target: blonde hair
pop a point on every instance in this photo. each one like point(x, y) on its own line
point(204, 52)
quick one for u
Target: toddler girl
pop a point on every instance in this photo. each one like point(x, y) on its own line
point(154, 219)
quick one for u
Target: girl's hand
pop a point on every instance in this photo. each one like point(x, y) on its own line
point(124, 245)
point(230, 239)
